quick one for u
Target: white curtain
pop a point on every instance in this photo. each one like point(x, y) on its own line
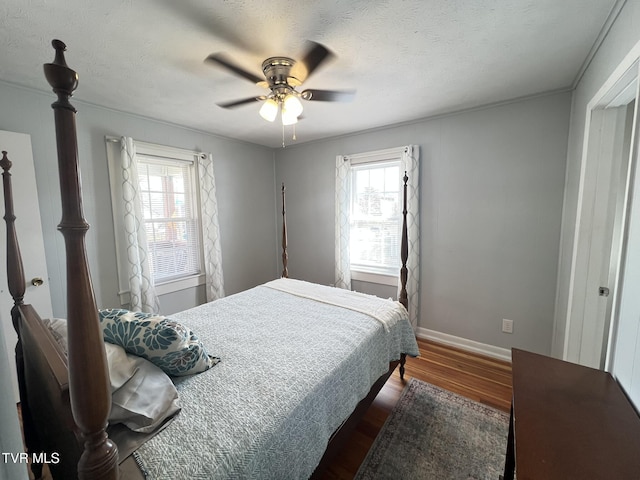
point(343, 195)
point(410, 163)
point(143, 295)
point(210, 229)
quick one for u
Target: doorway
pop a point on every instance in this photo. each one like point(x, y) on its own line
point(608, 158)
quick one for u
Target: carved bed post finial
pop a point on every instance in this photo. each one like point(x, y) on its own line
point(89, 387)
point(285, 256)
point(63, 79)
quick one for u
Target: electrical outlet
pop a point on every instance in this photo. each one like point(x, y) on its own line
point(507, 325)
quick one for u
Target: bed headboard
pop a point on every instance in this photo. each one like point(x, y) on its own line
point(41, 365)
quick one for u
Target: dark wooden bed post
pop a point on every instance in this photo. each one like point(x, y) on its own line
point(15, 270)
point(17, 287)
point(285, 256)
point(403, 297)
point(88, 380)
point(404, 250)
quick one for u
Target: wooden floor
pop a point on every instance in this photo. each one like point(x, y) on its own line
point(479, 378)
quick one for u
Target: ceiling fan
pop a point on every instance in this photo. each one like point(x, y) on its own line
point(282, 75)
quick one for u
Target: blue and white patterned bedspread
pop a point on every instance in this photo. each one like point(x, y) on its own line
point(292, 370)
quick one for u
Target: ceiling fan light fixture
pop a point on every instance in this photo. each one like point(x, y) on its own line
point(292, 105)
point(288, 118)
point(269, 110)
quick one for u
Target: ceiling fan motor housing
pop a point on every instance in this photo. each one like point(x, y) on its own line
point(277, 71)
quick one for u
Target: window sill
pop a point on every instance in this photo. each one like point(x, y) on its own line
point(179, 284)
point(169, 287)
point(371, 277)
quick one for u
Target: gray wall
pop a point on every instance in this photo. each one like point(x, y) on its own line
point(492, 184)
point(244, 179)
point(622, 36)
point(491, 181)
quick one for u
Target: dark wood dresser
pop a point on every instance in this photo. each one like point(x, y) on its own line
point(569, 422)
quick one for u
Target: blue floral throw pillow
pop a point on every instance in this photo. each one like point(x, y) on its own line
point(171, 346)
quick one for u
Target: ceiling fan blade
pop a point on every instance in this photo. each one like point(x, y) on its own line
point(315, 56)
point(221, 60)
point(329, 95)
point(239, 103)
point(205, 17)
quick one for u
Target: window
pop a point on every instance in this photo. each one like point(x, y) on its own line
point(169, 207)
point(375, 218)
point(161, 236)
point(368, 219)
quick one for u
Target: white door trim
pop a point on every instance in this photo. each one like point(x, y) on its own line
point(620, 87)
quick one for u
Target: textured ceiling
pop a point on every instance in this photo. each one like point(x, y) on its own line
point(407, 59)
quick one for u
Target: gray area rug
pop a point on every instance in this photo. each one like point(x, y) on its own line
point(435, 434)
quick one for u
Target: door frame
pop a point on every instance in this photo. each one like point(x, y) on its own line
point(621, 87)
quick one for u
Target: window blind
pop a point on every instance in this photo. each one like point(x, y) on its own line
point(167, 191)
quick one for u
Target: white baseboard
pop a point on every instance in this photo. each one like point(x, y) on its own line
point(465, 344)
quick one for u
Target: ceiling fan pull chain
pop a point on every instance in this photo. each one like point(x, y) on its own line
point(282, 136)
point(294, 133)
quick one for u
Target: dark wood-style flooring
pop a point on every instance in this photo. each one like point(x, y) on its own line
point(483, 379)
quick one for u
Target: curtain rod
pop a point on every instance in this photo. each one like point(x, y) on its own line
point(112, 139)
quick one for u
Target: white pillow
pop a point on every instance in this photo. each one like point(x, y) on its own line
point(58, 329)
point(143, 397)
point(143, 400)
point(121, 367)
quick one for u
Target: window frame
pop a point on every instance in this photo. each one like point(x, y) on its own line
point(162, 153)
point(191, 192)
point(357, 161)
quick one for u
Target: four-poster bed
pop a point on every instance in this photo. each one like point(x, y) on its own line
point(66, 395)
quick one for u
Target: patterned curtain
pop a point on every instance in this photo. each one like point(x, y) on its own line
point(143, 295)
point(343, 194)
point(210, 229)
point(411, 164)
